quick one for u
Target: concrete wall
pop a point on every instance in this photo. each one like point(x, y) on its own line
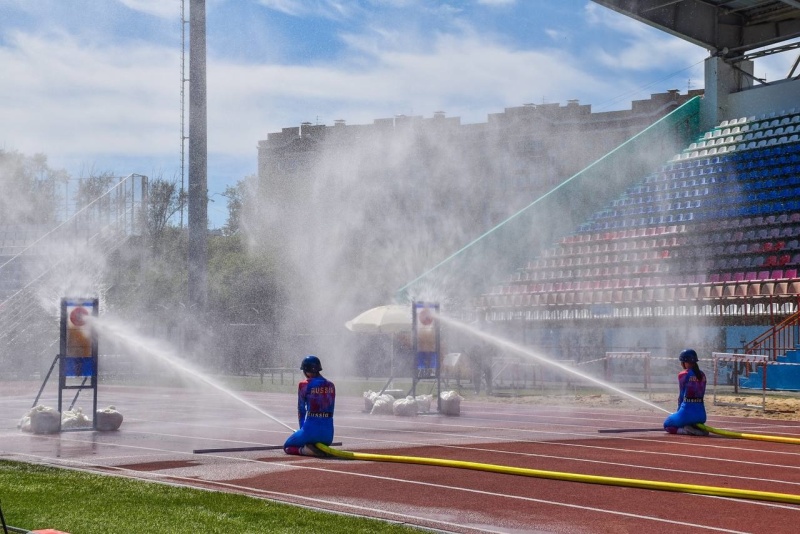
point(721, 81)
point(782, 95)
point(729, 94)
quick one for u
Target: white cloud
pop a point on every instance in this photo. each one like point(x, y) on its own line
point(462, 75)
point(600, 16)
point(69, 99)
point(66, 98)
point(776, 67)
point(159, 8)
point(75, 98)
point(643, 54)
point(557, 35)
point(299, 8)
point(638, 47)
point(497, 2)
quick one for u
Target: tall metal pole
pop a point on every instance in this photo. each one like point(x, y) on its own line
point(198, 158)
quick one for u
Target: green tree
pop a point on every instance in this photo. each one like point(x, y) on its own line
point(164, 199)
point(241, 285)
point(237, 197)
point(244, 303)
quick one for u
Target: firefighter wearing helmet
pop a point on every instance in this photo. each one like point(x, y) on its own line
point(691, 410)
point(316, 396)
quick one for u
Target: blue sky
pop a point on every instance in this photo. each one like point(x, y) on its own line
point(95, 84)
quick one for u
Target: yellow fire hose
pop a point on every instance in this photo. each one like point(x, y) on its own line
point(733, 493)
point(744, 435)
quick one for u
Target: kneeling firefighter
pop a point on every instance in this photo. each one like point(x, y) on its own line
point(316, 397)
point(691, 409)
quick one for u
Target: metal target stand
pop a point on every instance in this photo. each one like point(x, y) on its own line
point(427, 348)
point(77, 357)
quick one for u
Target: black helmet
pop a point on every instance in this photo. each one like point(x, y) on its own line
point(688, 355)
point(311, 364)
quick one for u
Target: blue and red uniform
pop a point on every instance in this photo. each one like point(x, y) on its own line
point(316, 397)
point(691, 409)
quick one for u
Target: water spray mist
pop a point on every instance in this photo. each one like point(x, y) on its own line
point(519, 349)
point(120, 332)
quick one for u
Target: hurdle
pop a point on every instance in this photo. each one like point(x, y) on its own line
point(738, 359)
point(644, 357)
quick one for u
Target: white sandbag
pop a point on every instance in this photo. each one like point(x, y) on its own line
point(405, 407)
point(382, 405)
point(424, 403)
point(75, 419)
point(451, 403)
point(369, 399)
point(41, 420)
point(108, 419)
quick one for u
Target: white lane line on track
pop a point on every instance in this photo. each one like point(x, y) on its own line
point(775, 428)
point(512, 497)
point(581, 459)
point(626, 418)
point(283, 433)
point(536, 411)
point(75, 439)
point(191, 482)
point(682, 443)
point(592, 431)
point(495, 439)
point(438, 427)
point(506, 496)
point(744, 445)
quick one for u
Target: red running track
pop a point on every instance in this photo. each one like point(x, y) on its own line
point(163, 427)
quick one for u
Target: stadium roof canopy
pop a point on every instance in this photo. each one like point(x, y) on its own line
point(728, 28)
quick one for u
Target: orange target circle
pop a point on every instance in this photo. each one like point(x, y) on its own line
point(425, 317)
point(78, 316)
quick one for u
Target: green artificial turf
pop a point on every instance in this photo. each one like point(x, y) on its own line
point(38, 497)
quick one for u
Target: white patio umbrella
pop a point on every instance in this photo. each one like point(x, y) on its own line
point(389, 319)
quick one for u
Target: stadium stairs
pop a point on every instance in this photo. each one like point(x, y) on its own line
point(782, 374)
point(781, 370)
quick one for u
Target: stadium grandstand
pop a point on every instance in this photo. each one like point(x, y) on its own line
point(704, 248)
point(678, 228)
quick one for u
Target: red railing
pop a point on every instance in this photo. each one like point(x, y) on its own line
point(777, 340)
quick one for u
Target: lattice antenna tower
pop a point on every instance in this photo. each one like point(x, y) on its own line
point(184, 79)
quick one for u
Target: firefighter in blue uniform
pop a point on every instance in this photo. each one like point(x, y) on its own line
point(316, 397)
point(691, 410)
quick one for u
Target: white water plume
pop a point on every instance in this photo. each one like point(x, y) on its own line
point(360, 218)
point(137, 343)
point(523, 351)
point(425, 206)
